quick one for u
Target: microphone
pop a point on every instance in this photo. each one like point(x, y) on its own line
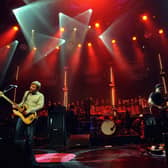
point(15, 86)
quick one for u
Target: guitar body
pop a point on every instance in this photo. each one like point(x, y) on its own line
point(28, 118)
point(22, 108)
point(21, 111)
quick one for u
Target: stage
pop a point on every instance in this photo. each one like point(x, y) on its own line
point(120, 156)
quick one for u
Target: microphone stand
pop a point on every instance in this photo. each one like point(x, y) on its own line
point(7, 90)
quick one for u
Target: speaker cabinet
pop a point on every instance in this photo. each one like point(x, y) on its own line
point(57, 128)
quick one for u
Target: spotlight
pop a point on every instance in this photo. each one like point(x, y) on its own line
point(100, 36)
point(34, 48)
point(89, 26)
point(8, 46)
point(16, 28)
point(16, 41)
point(113, 41)
point(62, 29)
point(89, 44)
point(90, 10)
point(79, 45)
point(134, 38)
point(160, 31)
point(97, 25)
point(144, 17)
point(57, 47)
point(74, 29)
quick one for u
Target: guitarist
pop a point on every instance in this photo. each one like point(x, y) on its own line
point(157, 103)
point(34, 101)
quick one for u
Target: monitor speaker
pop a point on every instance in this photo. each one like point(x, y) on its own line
point(57, 129)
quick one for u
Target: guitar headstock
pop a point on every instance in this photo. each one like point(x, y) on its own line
point(1, 93)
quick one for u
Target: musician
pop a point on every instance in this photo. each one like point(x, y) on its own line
point(88, 102)
point(157, 102)
point(157, 98)
point(34, 101)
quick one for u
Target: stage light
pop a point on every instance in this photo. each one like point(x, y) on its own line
point(89, 44)
point(90, 10)
point(160, 31)
point(74, 29)
point(89, 26)
point(79, 45)
point(134, 38)
point(62, 29)
point(16, 41)
point(57, 47)
point(16, 28)
point(113, 41)
point(97, 25)
point(144, 17)
point(100, 36)
point(34, 48)
point(60, 13)
point(8, 46)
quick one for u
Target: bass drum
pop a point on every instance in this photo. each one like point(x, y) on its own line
point(108, 127)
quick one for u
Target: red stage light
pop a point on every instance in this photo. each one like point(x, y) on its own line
point(16, 28)
point(57, 47)
point(160, 31)
point(8, 46)
point(144, 17)
point(97, 25)
point(79, 45)
point(89, 44)
point(113, 41)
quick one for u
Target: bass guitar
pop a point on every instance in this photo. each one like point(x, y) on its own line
point(20, 111)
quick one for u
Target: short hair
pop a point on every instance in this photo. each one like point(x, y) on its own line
point(37, 83)
point(158, 85)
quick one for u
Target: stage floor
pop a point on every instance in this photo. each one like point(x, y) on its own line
point(119, 156)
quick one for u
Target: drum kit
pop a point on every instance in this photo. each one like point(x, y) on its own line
point(114, 123)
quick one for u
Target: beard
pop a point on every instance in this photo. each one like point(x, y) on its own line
point(33, 91)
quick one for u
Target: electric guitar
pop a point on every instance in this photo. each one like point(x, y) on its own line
point(21, 111)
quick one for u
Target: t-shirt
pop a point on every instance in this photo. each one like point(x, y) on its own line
point(157, 98)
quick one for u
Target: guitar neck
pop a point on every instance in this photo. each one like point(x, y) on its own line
point(6, 98)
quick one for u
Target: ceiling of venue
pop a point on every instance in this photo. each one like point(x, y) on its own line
point(135, 66)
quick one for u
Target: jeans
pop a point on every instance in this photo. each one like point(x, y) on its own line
point(24, 131)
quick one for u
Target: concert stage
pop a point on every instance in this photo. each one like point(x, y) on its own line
point(120, 156)
point(85, 150)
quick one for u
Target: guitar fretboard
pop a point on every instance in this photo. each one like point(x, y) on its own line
point(6, 98)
